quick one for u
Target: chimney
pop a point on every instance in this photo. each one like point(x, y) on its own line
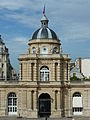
point(80, 65)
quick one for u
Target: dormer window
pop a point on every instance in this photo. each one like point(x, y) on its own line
point(33, 50)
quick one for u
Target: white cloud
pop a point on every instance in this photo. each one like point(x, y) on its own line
point(17, 45)
point(29, 21)
point(20, 40)
point(19, 4)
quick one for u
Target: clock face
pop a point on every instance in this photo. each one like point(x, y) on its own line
point(44, 50)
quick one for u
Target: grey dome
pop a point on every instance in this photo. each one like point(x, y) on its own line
point(44, 33)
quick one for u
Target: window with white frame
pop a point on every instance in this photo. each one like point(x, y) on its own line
point(12, 104)
point(44, 74)
point(77, 107)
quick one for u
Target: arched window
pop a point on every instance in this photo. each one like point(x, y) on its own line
point(12, 104)
point(34, 50)
point(76, 94)
point(44, 74)
point(77, 104)
point(44, 50)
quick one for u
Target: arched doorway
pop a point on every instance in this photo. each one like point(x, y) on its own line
point(44, 105)
point(12, 104)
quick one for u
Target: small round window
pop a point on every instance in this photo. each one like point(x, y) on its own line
point(44, 50)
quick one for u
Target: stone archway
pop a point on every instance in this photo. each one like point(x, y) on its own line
point(44, 105)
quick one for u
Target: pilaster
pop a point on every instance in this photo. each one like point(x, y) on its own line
point(53, 72)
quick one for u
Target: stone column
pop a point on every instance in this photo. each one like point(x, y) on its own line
point(68, 72)
point(35, 71)
point(19, 102)
point(53, 71)
point(3, 105)
point(69, 103)
point(65, 72)
point(53, 101)
point(5, 68)
point(20, 71)
point(58, 72)
point(35, 100)
point(28, 99)
point(30, 73)
point(24, 98)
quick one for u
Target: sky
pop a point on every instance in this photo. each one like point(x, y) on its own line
point(70, 19)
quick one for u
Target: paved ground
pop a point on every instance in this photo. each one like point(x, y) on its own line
point(20, 118)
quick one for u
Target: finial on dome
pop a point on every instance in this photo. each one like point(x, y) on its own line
point(44, 20)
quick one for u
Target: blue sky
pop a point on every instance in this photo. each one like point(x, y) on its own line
point(70, 19)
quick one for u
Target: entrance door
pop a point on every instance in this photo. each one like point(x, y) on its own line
point(12, 104)
point(44, 105)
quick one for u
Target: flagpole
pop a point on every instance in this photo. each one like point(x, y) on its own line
point(44, 10)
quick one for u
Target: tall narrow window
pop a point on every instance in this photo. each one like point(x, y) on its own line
point(32, 71)
point(12, 104)
point(56, 71)
point(77, 104)
point(32, 92)
point(56, 99)
point(44, 74)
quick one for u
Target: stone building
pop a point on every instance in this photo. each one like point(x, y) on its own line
point(80, 68)
point(44, 69)
point(44, 87)
point(6, 70)
point(84, 66)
